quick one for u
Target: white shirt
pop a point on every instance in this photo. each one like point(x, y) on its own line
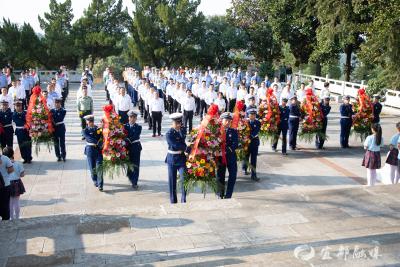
point(9, 99)
point(247, 99)
point(17, 92)
point(220, 103)
point(223, 87)
point(241, 95)
point(195, 89)
point(50, 102)
point(370, 144)
point(148, 97)
point(231, 92)
point(123, 103)
point(202, 92)
point(169, 90)
point(284, 94)
point(261, 92)
point(157, 104)
point(325, 93)
point(58, 89)
point(209, 97)
point(300, 95)
point(188, 104)
point(181, 94)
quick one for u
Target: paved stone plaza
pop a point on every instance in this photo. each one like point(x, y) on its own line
point(310, 208)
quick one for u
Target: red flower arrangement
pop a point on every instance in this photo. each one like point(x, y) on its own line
point(312, 122)
point(115, 153)
point(362, 120)
point(207, 144)
point(38, 120)
point(270, 116)
point(240, 123)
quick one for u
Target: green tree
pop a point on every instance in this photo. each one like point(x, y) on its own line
point(98, 33)
point(20, 46)
point(165, 32)
point(219, 40)
point(58, 38)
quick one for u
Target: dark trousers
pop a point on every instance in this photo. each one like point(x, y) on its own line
point(59, 144)
point(188, 118)
point(251, 157)
point(232, 170)
point(172, 176)
point(107, 93)
point(345, 127)
point(133, 174)
point(94, 160)
point(123, 116)
point(293, 129)
point(232, 104)
point(5, 202)
point(7, 137)
point(320, 139)
point(141, 106)
point(28, 96)
point(203, 108)
point(284, 131)
point(156, 120)
point(170, 104)
point(24, 143)
point(197, 102)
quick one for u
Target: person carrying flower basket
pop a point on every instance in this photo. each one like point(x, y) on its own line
point(6, 135)
point(364, 115)
point(93, 151)
point(269, 115)
point(134, 147)
point(294, 122)
point(325, 109)
point(312, 123)
point(85, 106)
point(176, 158)
point(346, 113)
point(283, 127)
point(58, 114)
point(252, 151)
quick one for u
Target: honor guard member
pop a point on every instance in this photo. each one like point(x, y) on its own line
point(7, 136)
point(294, 121)
point(176, 158)
point(58, 115)
point(85, 106)
point(93, 136)
point(251, 105)
point(232, 142)
point(283, 126)
point(188, 107)
point(252, 152)
point(23, 138)
point(377, 109)
point(346, 113)
point(134, 147)
point(325, 109)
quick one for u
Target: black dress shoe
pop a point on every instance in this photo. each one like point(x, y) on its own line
point(58, 159)
point(83, 138)
point(153, 135)
point(64, 159)
point(24, 162)
point(95, 185)
point(246, 173)
point(135, 187)
point(101, 189)
point(255, 178)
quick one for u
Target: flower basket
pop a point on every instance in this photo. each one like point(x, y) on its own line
point(363, 117)
point(270, 117)
point(312, 123)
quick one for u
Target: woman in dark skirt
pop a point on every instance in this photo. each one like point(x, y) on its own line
point(392, 157)
point(16, 186)
point(372, 157)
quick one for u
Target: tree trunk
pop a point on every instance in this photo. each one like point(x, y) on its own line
point(318, 68)
point(92, 62)
point(347, 67)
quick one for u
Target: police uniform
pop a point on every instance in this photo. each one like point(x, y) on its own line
point(377, 110)
point(93, 137)
point(282, 128)
point(346, 112)
point(320, 139)
point(24, 140)
point(6, 137)
point(294, 121)
point(134, 148)
point(232, 142)
point(252, 152)
point(58, 116)
point(176, 159)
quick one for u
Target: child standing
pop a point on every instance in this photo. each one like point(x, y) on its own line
point(372, 157)
point(393, 155)
point(16, 186)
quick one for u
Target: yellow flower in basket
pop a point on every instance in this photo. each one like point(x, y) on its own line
point(202, 161)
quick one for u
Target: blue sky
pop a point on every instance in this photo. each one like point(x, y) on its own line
point(28, 10)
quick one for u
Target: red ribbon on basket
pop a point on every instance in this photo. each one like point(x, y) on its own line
point(211, 113)
point(236, 114)
point(271, 100)
point(108, 109)
point(36, 94)
point(363, 99)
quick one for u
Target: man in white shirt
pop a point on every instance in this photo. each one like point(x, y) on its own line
point(241, 94)
point(249, 95)
point(123, 103)
point(220, 102)
point(169, 90)
point(188, 107)
point(277, 83)
point(195, 92)
point(325, 93)
point(156, 106)
point(201, 93)
point(49, 99)
point(210, 96)
point(79, 93)
point(261, 92)
point(148, 97)
point(5, 97)
point(17, 92)
point(231, 95)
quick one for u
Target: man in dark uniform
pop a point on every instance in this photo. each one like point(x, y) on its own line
point(58, 115)
point(232, 142)
point(252, 152)
point(176, 158)
point(377, 109)
point(252, 105)
point(7, 136)
point(346, 113)
point(24, 140)
point(294, 121)
point(325, 109)
point(134, 147)
point(93, 136)
point(283, 126)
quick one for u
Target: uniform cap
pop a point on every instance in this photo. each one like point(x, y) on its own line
point(293, 97)
point(4, 101)
point(132, 113)
point(58, 99)
point(346, 97)
point(252, 111)
point(89, 117)
point(284, 99)
point(176, 116)
point(226, 115)
point(327, 98)
point(18, 102)
point(377, 96)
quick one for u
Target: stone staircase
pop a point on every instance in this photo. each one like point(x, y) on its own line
point(342, 227)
